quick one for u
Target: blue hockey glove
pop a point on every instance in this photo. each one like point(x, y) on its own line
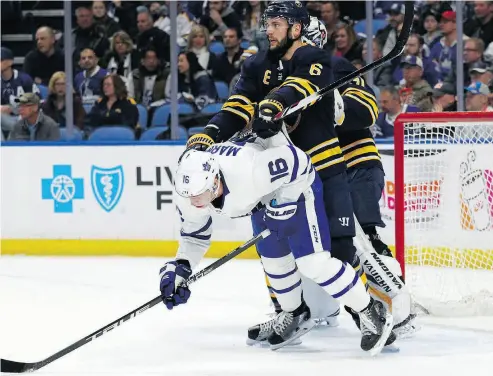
point(282, 219)
point(173, 290)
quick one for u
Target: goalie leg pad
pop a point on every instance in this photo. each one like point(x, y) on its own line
point(336, 278)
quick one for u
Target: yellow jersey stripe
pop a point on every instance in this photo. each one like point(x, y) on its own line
point(326, 154)
point(303, 81)
point(370, 110)
point(298, 88)
point(369, 95)
point(241, 98)
point(362, 93)
point(236, 112)
point(328, 164)
point(323, 144)
point(247, 109)
point(359, 142)
point(364, 150)
point(363, 159)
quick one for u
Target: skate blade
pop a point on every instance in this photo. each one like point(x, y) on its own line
point(304, 328)
point(265, 345)
point(387, 329)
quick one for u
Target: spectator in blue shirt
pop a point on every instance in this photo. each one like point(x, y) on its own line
point(391, 107)
point(14, 84)
point(88, 82)
point(444, 52)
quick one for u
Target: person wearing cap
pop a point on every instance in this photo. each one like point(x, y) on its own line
point(444, 52)
point(481, 26)
point(430, 24)
point(477, 97)
point(412, 67)
point(481, 72)
point(14, 84)
point(34, 125)
point(443, 97)
point(388, 35)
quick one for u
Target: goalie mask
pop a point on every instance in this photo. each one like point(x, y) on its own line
point(316, 33)
point(197, 175)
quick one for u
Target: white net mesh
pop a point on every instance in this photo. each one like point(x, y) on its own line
point(448, 216)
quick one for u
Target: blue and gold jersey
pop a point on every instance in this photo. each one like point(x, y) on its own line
point(306, 72)
point(361, 111)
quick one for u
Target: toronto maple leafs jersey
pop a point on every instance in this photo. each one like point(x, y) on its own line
point(252, 173)
point(19, 84)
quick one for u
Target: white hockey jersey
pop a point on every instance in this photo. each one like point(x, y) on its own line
point(252, 173)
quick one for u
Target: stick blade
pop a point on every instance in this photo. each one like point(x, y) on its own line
point(9, 366)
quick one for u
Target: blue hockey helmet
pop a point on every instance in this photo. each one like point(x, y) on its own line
point(292, 11)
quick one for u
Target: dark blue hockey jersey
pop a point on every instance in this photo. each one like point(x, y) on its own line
point(306, 72)
point(19, 84)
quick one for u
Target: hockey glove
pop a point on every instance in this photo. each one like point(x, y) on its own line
point(201, 141)
point(263, 123)
point(173, 289)
point(338, 108)
point(282, 218)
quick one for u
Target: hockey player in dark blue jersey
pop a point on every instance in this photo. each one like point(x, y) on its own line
point(270, 81)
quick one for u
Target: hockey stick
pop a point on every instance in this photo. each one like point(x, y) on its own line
point(10, 366)
point(396, 51)
point(374, 265)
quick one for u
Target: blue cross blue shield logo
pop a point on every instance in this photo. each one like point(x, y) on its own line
point(62, 188)
point(107, 186)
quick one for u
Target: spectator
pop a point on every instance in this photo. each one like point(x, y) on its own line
point(329, 14)
point(391, 107)
point(228, 63)
point(220, 17)
point(477, 97)
point(101, 18)
point(388, 35)
point(414, 47)
point(479, 73)
point(87, 34)
point(382, 75)
point(150, 37)
point(34, 125)
point(430, 24)
point(482, 25)
point(162, 21)
point(194, 84)
point(149, 80)
point(413, 79)
point(443, 97)
point(88, 82)
point(122, 59)
point(198, 43)
point(54, 105)
point(14, 84)
point(251, 12)
point(347, 44)
point(252, 50)
point(41, 62)
point(114, 107)
point(444, 52)
point(125, 12)
point(313, 8)
point(473, 52)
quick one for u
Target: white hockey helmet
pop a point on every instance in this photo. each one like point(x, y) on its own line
point(196, 173)
point(316, 34)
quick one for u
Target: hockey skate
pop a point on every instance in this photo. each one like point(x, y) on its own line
point(376, 327)
point(289, 326)
point(329, 321)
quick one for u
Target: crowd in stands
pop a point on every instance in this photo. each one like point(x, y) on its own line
point(121, 60)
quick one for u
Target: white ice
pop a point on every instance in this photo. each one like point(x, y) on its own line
point(48, 303)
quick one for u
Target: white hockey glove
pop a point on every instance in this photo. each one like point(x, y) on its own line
point(338, 108)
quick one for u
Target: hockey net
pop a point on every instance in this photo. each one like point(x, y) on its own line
point(444, 210)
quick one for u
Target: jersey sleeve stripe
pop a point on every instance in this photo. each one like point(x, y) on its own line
point(304, 86)
point(359, 151)
point(356, 143)
point(296, 164)
point(238, 111)
point(329, 164)
point(364, 101)
point(332, 141)
point(326, 154)
point(362, 159)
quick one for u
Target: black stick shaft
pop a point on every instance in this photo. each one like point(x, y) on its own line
point(396, 51)
point(19, 367)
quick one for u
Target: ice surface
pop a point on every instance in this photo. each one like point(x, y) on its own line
point(49, 303)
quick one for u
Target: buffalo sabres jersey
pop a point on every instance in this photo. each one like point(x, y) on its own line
point(361, 112)
point(308, 71)
point(252, 173)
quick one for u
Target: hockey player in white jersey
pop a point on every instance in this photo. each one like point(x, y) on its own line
point(275, 183)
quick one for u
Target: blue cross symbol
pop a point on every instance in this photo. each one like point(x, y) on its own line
point(62, 189)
